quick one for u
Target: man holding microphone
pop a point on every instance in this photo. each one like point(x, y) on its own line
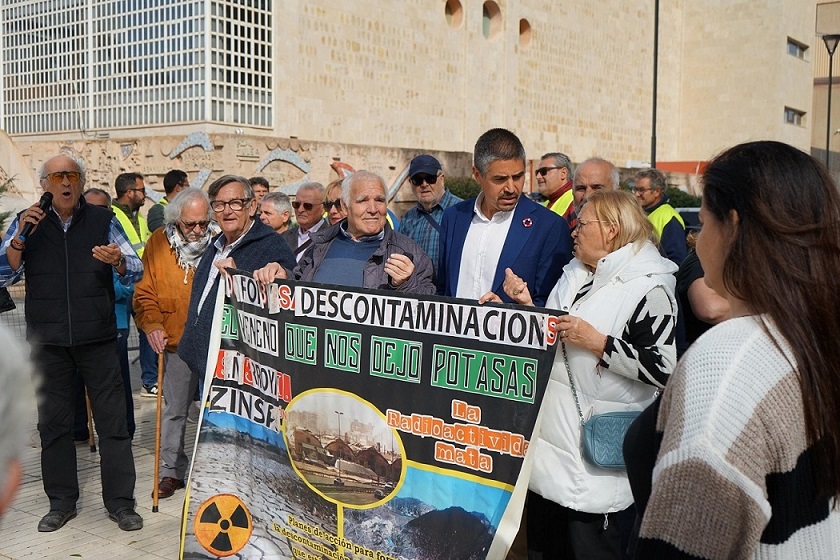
point(68, 257)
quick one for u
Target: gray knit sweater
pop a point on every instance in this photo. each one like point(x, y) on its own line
point(733, 476)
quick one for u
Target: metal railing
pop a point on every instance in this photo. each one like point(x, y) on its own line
point(16, 322)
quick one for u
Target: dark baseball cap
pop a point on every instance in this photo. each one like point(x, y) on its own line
point(424, 164)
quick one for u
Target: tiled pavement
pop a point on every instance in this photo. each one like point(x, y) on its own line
point(91, 534)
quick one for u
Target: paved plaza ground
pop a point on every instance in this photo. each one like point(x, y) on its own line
point(91, 534)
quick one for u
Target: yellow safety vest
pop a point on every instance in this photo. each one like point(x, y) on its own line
point(561, 205)
point(660, 217)
point(137, 240)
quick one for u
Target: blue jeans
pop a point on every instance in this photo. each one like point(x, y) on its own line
point(148, 361)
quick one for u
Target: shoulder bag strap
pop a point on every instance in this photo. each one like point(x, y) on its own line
point(572, 383)
point(431, 221)
point(304, 247)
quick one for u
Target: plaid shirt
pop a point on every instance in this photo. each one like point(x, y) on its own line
point(415, 225)
point(133, 264)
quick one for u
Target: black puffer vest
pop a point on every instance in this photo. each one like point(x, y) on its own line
point(69, 294)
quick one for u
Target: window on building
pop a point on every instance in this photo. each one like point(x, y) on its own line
point(147, 63)
point(491, 20)
point(454, 13)
point(795, 48)
point(524, 33)
point(794, 116)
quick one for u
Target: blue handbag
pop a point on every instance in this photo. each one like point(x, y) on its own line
point(602, 436)
point(603, 439)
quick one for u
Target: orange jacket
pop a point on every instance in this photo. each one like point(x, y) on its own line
point(162, 296)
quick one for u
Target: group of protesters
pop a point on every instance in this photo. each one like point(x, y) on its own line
point(735, 452)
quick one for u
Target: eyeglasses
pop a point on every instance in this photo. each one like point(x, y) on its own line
point(328, 204)
point(543, 171)
point(189, 226)
point(306, 205)
point(57, 177)
point(581, 223)
point(421, 178)
point(640, 190)
point(236, 204)
point(138, 190)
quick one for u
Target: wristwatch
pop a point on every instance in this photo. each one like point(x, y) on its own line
point(119, 262)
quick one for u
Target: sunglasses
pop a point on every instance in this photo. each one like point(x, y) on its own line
point(543, 171)
point(328, 204)
point(421, 178)
point(57, 177)
point(189, 226)
point(306, 205)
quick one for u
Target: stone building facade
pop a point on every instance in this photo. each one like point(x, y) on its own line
point(291, 88)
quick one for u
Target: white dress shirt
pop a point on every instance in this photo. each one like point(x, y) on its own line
point(221, 252)
point(303, 236)
point(482, 249)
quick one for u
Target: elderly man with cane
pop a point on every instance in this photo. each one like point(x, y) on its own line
point(161, 300)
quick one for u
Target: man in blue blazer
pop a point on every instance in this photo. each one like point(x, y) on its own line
point(500, 229)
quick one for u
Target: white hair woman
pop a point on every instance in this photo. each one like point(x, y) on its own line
point(617, 350)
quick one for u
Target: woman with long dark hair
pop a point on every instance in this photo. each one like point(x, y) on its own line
point(747, 438)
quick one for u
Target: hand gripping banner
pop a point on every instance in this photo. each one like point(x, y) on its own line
point(355, 424)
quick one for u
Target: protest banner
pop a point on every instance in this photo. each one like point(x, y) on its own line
point(342, 423)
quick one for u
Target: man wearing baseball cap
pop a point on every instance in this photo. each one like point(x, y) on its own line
point(422, 222)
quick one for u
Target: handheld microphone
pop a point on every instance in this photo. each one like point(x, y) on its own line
point(44, 205)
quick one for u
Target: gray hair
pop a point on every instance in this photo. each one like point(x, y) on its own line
point(16, 400)
point(497, 144)
point(225, 180)
point(614, 177)
point(657, 178)
point(360, 177)
point(312, 186)
point(279, 200)
point(172, 211)
point(96, 190)
point(560, 160)
point(77, 159)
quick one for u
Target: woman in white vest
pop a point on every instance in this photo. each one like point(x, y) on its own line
point(618, 343)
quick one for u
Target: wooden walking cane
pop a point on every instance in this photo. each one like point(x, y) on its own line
point(156, 490)
point(91, 440)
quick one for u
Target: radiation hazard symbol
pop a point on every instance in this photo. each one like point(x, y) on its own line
point(223, 525)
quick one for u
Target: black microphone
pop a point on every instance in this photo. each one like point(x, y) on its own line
point(44, 205)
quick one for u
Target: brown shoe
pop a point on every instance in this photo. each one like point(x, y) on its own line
point(167, 486)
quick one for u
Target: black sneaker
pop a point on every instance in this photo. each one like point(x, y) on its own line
point(149, 391)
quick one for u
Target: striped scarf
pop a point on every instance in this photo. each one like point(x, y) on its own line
point(188, 253)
